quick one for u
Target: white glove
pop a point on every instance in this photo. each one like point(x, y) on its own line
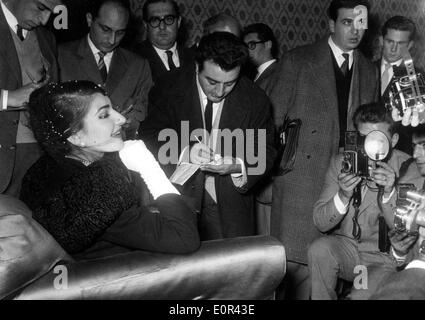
point(137, 157)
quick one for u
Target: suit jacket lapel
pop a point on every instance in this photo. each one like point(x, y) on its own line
point(266, 73)
point(46, 51)
point(233, 113)
point(87, 61)
point(354, 96)
point(322, 71)
point(117, 71)
point(156, 60)
point(8, 49)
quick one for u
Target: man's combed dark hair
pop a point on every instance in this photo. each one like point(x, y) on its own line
point(57, 111)
point(374, 113)
point(149, 2)
point(95, 5)
point(346, 4)
point(265, 33)
point(222, 48)
point(400, 23)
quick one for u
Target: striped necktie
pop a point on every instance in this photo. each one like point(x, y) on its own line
point(102, 66)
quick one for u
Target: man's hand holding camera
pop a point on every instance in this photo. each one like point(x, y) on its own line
point(384, 176)
point(402, 241)
point(347, 182)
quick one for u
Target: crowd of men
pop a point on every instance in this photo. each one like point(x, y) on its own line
point(234, 79)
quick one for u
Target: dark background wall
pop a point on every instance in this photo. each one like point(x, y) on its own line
point(295, 22)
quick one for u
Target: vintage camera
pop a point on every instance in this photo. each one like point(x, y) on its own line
point(409, 214)
point(407, 91)
point(359, 150)
point(355, 159)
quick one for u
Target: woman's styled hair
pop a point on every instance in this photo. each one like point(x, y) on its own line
point(57, 111)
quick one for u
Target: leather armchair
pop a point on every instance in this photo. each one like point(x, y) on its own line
point(239, 268)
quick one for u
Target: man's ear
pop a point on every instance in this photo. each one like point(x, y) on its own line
point(268, 44)
point(381, 41)
point(89, 19)
point(179, 21)
point(332, 26)
point(410, 45)
point(394, 140)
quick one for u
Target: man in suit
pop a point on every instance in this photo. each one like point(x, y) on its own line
point(27, 61)
point(408, 284)
point(263, 50)
point(214, 96)
point(322, 84)
point(162, 21)
point(352, 231)
point(98, 57)
point(398, 34)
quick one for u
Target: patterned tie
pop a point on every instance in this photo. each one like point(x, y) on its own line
point(344, 65)
point(385, 78)
point(171, 64)
point(20, 33)
point(102, 66)
point(208, 116)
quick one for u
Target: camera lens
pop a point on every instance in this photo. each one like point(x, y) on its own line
point(346, 166)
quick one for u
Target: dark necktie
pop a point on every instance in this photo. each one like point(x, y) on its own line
point(20, 33)
point(102, 66)
point(171, 64)
point(344, 66)
point(208, 116)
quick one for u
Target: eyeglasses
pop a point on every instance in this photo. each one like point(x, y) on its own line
point(155, 22)
point(253, 44)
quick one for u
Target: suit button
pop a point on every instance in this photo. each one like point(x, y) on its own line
point(192, 186)
point(309, 157)
point(197, 212)
point(12, 147)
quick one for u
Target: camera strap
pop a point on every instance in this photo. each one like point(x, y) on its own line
point(357, 200)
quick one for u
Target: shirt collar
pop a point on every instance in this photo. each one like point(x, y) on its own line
point(94, 49)
point(397, 63)
point(173, 49)
point(11, 19)
point(338, 53)
point(264, 66)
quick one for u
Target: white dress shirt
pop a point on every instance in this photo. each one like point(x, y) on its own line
point(164, 58)
point(338, 54)
point(107, 58)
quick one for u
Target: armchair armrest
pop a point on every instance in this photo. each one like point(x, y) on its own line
point(239, 268)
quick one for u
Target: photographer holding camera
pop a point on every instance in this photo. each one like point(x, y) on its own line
point(356, 192)
point(409, 245)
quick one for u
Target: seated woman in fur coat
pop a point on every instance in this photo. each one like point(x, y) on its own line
point(88, 186)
